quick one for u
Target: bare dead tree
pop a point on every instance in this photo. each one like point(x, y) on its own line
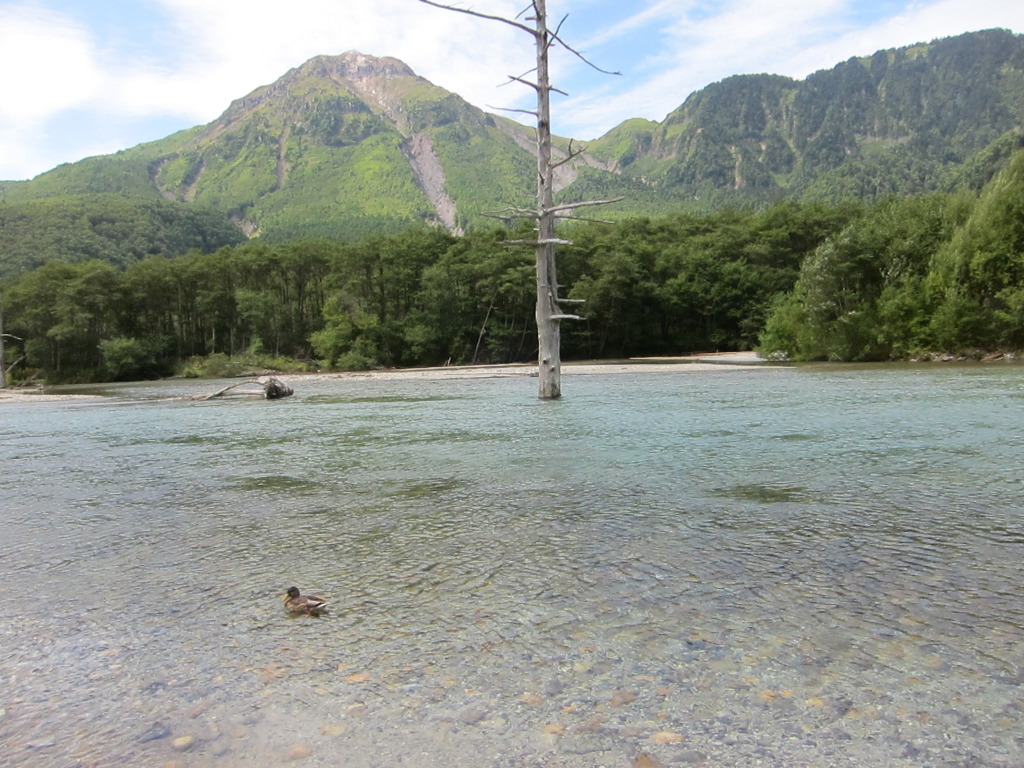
point(549, 310)
point(269, 389)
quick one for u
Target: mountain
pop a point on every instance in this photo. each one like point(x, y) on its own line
point(342, 146)
point(346, 146)
point(899, 121)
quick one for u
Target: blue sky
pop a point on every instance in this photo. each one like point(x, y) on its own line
point(86, 77)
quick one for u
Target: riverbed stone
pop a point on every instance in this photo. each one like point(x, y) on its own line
point(622, 698)
point(691, 756)
point(298, 752)
point(667, 737)
point(554, 686)
point(472, 715)
point(154, 732)
point(644, 760)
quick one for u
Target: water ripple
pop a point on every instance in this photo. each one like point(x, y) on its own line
point(780, 568)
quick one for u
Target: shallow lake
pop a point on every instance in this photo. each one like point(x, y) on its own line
point(785, 567)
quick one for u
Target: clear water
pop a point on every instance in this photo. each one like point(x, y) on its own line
point(777, 567)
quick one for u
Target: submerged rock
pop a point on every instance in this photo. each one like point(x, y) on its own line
point(622, 698)
point(154, 732)
point(299, 752)
point(667, 737)
point(554, 686)
point(691, 756)
point(472, 715)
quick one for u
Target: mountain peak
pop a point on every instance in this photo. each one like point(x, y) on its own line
point(357, 72)
point(353, 65)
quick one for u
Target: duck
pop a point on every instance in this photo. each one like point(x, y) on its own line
point(295, 602)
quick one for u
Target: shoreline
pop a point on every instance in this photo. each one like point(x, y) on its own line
point(688, 364)
point(33, 396)
point(693, 363)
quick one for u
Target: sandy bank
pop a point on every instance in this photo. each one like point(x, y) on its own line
point(33, 396)
point(692, 364)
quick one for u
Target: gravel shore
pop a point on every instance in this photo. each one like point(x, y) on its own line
point(691, 364)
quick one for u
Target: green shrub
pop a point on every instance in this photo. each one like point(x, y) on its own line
point(221, 366)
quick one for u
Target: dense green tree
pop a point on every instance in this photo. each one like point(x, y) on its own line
point(687, 282)
point(812, 281)
point(63, 311)
point(371, 291)
point(980, 276)
point(129, 359)
point(860, 294)
point(111, 228)
point(476, 303)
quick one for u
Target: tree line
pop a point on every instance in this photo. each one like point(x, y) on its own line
point(802, 281)
point(937, 273)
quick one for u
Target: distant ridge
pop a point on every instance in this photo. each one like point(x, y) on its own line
point(350, 145)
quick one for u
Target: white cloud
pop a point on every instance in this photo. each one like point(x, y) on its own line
point(919, 23)
point(48, 64)
point(658, 12)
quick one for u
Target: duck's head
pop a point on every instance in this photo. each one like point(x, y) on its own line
point(292, 592)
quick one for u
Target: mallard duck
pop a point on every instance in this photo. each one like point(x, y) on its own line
point(313, 605)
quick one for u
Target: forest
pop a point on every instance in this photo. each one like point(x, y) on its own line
point(895, 279)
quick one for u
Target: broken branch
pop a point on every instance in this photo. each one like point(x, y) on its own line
point(479, 15)
point(273, 389)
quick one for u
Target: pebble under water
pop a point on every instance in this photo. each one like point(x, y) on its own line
point(784, 567)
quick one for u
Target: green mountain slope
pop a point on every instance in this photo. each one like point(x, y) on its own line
point(112, 228)
point(340, 147)
point(898, 121)
point(346, 146)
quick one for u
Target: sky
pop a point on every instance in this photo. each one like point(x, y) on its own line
point(88, 77)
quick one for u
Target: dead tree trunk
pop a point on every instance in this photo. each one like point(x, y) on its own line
point(549, 329)
point(548, 311)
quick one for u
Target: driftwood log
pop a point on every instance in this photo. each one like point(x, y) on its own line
point(270, 389)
